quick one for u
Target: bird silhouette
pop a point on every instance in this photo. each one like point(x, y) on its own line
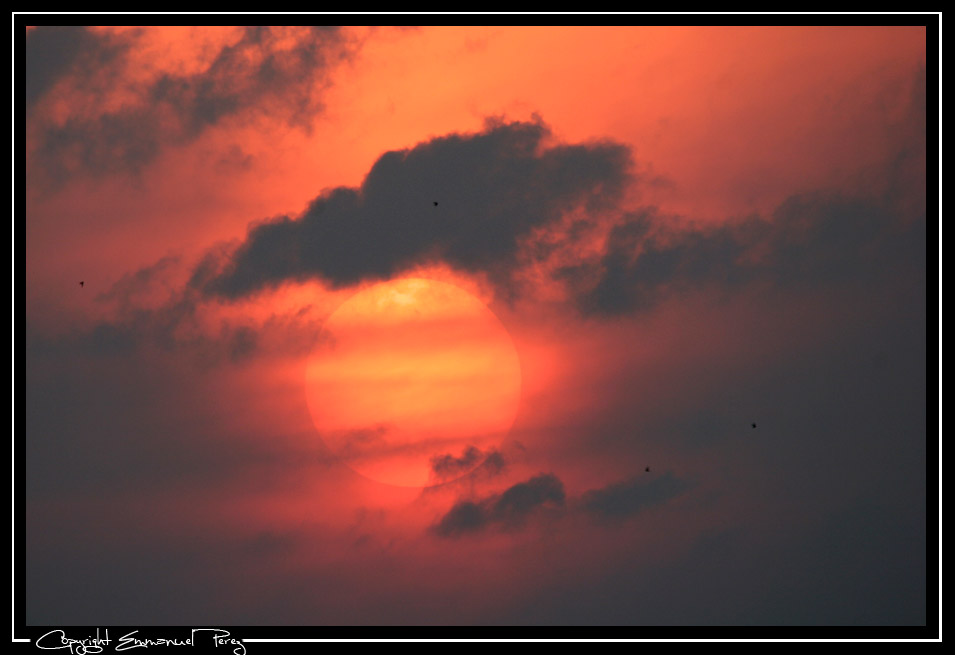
point(754, 426)
point(648, 469)
point(81, 283)
point(435, 203)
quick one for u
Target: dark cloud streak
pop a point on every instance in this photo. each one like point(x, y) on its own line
point(496, 187)
point(511, 509)
point(53, 53)
point(508, 510)
point(448, 466)
point(630, 497)
point(259, 75)
point(812, 241)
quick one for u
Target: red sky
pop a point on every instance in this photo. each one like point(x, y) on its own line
point(677, 231)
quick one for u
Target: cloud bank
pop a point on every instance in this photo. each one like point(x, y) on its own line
point(267, 71)
point(492, 188)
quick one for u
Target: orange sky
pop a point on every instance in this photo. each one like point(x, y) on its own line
point(154, 156)
point(721, 125)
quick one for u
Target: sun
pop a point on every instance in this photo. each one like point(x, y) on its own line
point(413, 382)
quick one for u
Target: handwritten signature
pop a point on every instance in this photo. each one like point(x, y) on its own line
point(57, 639)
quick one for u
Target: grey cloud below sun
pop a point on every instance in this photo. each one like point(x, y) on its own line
point(512, 508)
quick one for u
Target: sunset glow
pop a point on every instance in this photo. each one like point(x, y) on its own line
point(410, 371)
point(478, 325)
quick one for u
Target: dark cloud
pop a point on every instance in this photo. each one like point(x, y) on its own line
point(132, 327)
point(176, 326)
point(494, 188)
point(521, 499)
point(151, 309)
point(494, 464)
point(129, 290)
point(498, 186)
point(481, 464)
point(632, 496)
point(507, 510)
point(811, 241)
point(511, 508)
point(465, 516)
point(447, 465)
point(267, 72)
point(461, 481)
point(55, 52)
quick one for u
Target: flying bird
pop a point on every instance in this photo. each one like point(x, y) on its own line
point(81, 283)
point(754, 426)
point(648, 469)
point(435, 203)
